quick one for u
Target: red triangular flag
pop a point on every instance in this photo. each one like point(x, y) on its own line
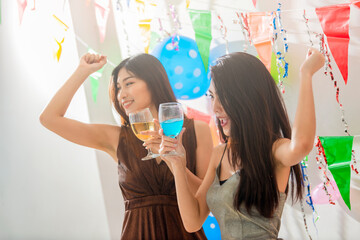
point(356, 4)
point(21, 7)
point(254, 2)
point(197, 115)
point(335, 24)
point(102, 9)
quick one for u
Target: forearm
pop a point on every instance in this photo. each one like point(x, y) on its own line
point(304, 127)
point(60, 102)
point(188, 204)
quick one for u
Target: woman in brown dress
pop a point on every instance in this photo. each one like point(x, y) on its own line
point(138, 82)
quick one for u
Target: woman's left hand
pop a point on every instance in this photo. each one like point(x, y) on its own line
point(169, 144)
point(154, 142)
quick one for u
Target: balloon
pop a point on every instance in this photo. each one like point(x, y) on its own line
point(184, 67)
point(235, 46)
point(319, 195)
point(211, 228)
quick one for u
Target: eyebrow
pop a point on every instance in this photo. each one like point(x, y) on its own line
point(125, 79)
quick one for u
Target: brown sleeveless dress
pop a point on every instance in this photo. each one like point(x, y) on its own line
point(148, 188)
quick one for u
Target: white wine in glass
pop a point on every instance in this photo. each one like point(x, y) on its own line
point(143, 121)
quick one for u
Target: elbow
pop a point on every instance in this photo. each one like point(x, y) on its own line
point(44, 120)
point(191, 228)
point(303, 148)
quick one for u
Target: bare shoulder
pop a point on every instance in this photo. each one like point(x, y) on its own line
point(216, 154)
point(201, 127)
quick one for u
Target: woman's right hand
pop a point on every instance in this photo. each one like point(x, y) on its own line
point(92, 62)
point(313, 62)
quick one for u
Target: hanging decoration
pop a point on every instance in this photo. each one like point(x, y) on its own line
point(144, 25)
point(336, 30)
point(120, 8)
point(59, 38)
point(338, 152)
point(184, 67)
point(102, 9)
point(201, 22)
point(260, 33)
point(187, 3)
point(254, 2)
point(281, 63)
point(244, 24)
point(223, 31)
point(308, 198)
point(21, 7)
point(176, 27)
point(197, 115)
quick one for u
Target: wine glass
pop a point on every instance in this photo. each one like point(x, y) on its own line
point(143, 121)
point(171, 118)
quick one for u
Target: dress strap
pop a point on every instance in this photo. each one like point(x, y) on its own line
point(219, 166)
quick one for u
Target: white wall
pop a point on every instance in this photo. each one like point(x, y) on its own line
point(53, 189)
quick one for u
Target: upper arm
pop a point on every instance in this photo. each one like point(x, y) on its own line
point(99, 136)
point(204, 147)
point(288, 153)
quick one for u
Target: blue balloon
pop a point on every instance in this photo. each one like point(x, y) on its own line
point(185, 69)
point(211, 228)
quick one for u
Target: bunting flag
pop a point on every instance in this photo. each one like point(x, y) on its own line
point(335, 24)
point(197, 115)
point(60, 28)
point(356, 3)
point(154, 39)
point(145, 33)
point(102, 9)
point(187, 3)
point(261, 34)
point(201, 22)
point(21, 7)
point(254, 2)
point(338, 152)
point(95, 79)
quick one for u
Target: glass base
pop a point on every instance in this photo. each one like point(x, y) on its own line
point(173, 153)
point(150, 156)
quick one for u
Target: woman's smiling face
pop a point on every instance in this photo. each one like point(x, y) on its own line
point(133, 94)
point(219, 111)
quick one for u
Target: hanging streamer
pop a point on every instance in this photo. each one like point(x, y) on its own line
point(308, 198)
point(176, 27)
point(144, 25)
point(328, 70)
point(120, 8)
point(322, 165)
point(281, 63)
point(244, 24)
point(223, 31)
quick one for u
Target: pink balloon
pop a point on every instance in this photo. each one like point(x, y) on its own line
point(319, 195)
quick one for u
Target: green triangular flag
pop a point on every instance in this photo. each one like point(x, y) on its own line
point(94, 80)
point(338, 155)
point(154, 39)
point(201, 22)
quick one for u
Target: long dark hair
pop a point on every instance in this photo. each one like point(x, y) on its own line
point(252, 101)
point(149, 69)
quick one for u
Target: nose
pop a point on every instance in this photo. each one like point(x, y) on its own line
point(121, 94)
point(217, 107)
